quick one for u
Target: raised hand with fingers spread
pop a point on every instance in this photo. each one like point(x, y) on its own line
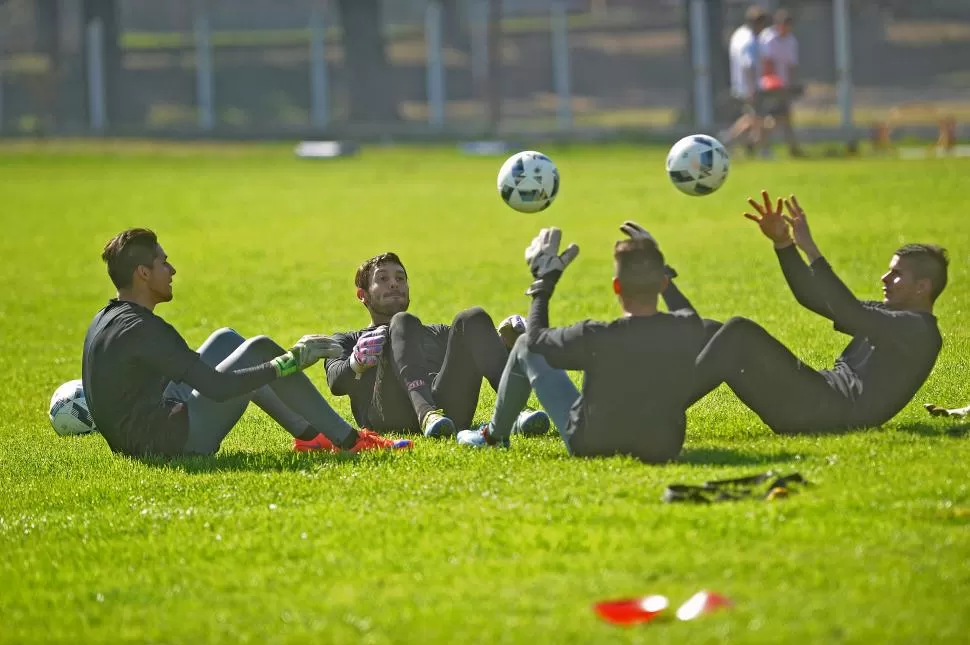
point(770, 220)
point(800, 231)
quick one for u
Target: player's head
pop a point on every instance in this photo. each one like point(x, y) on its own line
point(756, 18)
point(382, 285)
point(137, 263)
point(916, 276)
point(783, 22)
point(639, 271)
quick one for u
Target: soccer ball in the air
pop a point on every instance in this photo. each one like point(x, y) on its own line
point(698, 164)
point(69, 410)
point(528, 181)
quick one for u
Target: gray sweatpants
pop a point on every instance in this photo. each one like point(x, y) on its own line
point(526, 371)
point(293, 402)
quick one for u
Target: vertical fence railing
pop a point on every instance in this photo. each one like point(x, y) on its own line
point(435, 66)
point(94, 63)
point(319, 82)
point(560, 63)
point(205, 94)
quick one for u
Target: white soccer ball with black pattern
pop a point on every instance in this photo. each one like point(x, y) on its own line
point(528, 181)
point(69, 410)
point(698, 165)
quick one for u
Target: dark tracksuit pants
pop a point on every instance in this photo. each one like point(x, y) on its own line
point(407, 388)
point(788, 395)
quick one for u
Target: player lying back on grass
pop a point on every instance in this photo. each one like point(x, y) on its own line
point(405, 375)
point(150, 394)
point(638, 370)
point(893, 348)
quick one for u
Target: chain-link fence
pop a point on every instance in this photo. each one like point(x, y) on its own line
point(282, 67)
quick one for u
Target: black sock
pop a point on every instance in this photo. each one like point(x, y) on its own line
point(308, 434)
point(349, 442)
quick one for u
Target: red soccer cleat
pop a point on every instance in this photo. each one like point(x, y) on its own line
point(370, 440)
point(319, 442)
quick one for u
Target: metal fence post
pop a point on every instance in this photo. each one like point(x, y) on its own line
point(319, 84)
point(478, 40)
point(435, 63)
point(701, 62)
point(2, 64)
point(94, 39)
point(203, 68)
point(560, 63)
point(843, 62)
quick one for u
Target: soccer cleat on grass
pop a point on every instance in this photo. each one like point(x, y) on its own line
point(318, 443)
point(367, 440)
point(480, 438)
point(436, 424)
point(531, 423)
point(370, 440)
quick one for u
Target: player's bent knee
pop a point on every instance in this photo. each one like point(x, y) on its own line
point(472, 315)
point(264, 345)
point(521, 346)
point(740, 325)
point(226, 333)
point(402, 319)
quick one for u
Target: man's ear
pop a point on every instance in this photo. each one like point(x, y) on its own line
point(143, 272)
point(924, 286)
point(362, 295)
point(616, 286)
point(664, 284)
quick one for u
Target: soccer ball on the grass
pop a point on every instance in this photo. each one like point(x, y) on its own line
point(698, 164)
point(528, 181)
point(69, 410)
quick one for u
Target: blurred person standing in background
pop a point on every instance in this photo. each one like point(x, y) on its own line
point(778, 49)
point(745, 60)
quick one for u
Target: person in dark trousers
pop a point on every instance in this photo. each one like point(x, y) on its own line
point(893, 348)
point(401, 374)
point(638, 370)
point(150, 394)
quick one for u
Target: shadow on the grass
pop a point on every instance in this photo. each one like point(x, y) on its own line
point(254, 461)
point(926, 429)
point(728, 457)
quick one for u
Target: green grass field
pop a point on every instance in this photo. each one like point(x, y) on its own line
point(445, 545)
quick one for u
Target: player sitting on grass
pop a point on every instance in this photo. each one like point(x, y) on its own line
point(893, 348)
point(403, 374)
point(150, 394)
point(638, 369)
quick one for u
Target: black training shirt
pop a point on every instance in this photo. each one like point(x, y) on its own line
point(638, 378)
point(130, 356)
point(891, 352)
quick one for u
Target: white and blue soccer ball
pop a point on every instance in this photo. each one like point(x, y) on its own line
point(528, 181)
point(69, 410)
point(698, 165)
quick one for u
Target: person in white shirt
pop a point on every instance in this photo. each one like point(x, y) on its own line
point(778, 49)
point(745, 72)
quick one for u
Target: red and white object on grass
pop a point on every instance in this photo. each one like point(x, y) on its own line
point(702, 603)
point(631, 611)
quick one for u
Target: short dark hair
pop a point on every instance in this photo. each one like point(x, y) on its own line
point(365, 272)
point(639, 268)
point(755, 15)
point(128, 250)
point(927, 261)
